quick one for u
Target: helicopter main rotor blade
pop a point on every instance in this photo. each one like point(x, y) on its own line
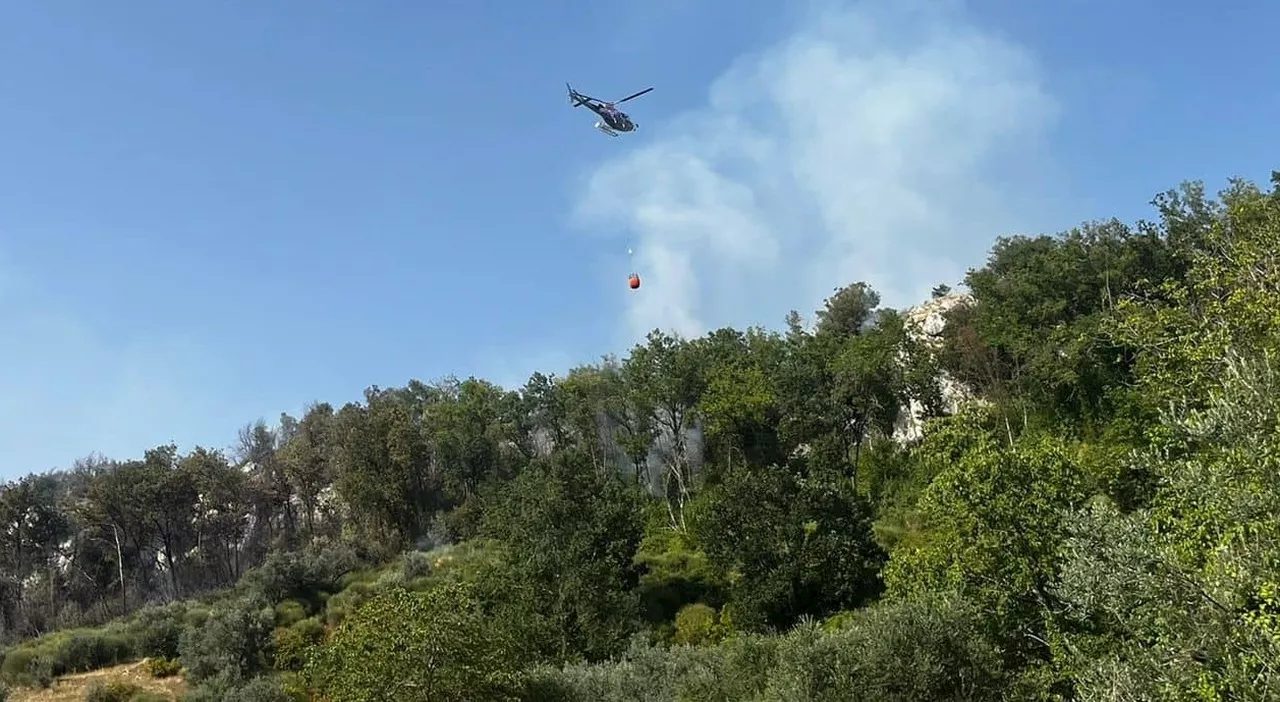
point(629, 97)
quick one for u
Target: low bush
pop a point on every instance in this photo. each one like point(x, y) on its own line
point(156, 630)
point(885, 653)
point(697, 624)
point(40, 661)
point(163, 667)
point(114, 691)
point(224, 688)
point(290, 612)
point(344, 603)
point(235, 641)
point(293, 644)
point(301, 575)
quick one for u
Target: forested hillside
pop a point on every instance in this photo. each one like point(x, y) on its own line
point(745, 516)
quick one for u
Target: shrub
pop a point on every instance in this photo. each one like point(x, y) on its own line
point(340, 605)
point(17, 661)
point(262, 689)
point(157, 630)
point(840, 621)
point(82, 651)
point(27, 666)
point(40, 661)
point(163, 667)
point(301, 575)
point(910, 651)
point(697, 625)
point(223, 688)
point(220, 687)
point(292, 644)
point(415, 564)
point(196, 617)
point(917, 651)
point(233, 641)
point(114, 691)
point(440, 639)
point(295, 685)
point(646, 674)
point(41, 671)
point(290, 612)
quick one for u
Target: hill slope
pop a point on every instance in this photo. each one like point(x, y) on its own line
point(749, 515)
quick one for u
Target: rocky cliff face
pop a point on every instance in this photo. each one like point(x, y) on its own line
point(925, 323)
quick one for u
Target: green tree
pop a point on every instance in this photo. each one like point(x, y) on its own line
point(573, 534)
point(1033, 339)
point(738, 405)
point(666, 376)
point(842, 384)
point(1184, 594)
point(1181, 593)
point(789, 546)
point(386, 474)
point(610, 419)
point(548, 408)
point(992, 524)
point(468, 428)
point(33, 528)
point(1223, 308)
point(675, 570)
point(168, 493)
point(306, 460)
point(221, 520)
point(848, 311)
point(867, 386)
point(258, 451)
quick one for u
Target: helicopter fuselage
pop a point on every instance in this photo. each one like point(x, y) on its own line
point(614, 119)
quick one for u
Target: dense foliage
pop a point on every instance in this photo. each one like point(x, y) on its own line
point(1063, 484)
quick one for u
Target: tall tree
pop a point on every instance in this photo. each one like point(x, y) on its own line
point(573, 533)
point(222, 513)
point(306, 458)
point(168, 496)
point(666, 374)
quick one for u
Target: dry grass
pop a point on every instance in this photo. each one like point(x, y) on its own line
point(72, 688)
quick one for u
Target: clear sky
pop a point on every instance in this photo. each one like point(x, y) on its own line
point(217, 210)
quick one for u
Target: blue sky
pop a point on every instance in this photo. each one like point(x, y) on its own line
point(220, 210)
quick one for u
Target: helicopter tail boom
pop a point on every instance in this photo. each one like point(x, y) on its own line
point(576, 99)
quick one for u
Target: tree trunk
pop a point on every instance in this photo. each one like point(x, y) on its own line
point(53, 594)
point(857, 460)
point(124, 594)
point(173, 569)
point(309, 505)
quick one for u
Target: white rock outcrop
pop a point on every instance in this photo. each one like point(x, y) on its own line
point(925, 324)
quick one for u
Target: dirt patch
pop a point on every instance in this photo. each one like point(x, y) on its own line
point(72, 688)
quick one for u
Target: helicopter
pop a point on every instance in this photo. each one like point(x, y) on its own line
point(612, 120)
